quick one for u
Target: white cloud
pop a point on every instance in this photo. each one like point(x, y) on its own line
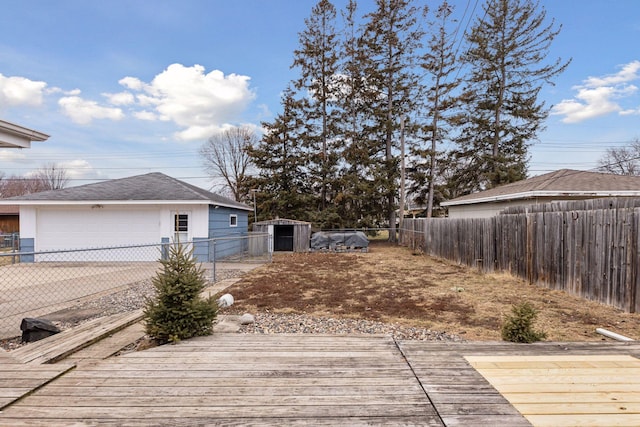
point(12, 155)
point(599, 96)
point(120, 98)
point(132, 83)
point(79, 169)
point(83, 111)
point(145, 115)
point(21, 91)
point(198, 102)
point(75, 170)
point(628, 73)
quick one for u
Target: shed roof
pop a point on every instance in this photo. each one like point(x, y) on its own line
point(156, 187)
point(282, 221)
point(561, 183)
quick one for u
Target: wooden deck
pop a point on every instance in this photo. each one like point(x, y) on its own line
point(234, 379)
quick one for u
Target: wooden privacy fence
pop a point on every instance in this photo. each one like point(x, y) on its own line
point(588, 248)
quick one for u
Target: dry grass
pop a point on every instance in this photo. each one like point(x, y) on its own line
point(391, 284)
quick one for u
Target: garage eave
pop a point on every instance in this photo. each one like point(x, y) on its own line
point(101, 202)
point(117, 203)
point(16, 136)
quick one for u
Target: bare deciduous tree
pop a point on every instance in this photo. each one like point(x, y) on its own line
point(51, 177)
point(621, 160)
point(48, 177)
point(225, 157)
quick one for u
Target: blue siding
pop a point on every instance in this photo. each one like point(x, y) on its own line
point(219, 228)
point(201, 249)
point(27, 245)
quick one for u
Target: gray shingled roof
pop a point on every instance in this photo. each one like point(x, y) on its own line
point(148, 187)
point(563, 182)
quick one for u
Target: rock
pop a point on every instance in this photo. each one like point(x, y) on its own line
point(37, 329)
point(247, 319)
point(225, 300)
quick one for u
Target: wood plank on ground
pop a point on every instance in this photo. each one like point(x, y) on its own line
point(548, 389)
point(69, 341)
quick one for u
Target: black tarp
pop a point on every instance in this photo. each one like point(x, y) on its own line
point(334, 239)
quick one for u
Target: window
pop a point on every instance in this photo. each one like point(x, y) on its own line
point(233, 220)
point(181, 227)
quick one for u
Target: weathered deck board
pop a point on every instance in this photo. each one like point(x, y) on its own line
point(239, 380)
point(57, 347)
point(110, 345)
point(234, 379)
point(17, 380)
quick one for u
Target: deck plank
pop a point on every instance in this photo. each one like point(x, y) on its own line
point(236, 379)
point(69, 341)
point(244, 380)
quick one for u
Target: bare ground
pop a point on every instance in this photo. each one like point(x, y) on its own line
point(391, 284)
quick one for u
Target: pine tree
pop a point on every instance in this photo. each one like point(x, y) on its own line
point(178, 311)
point(507, 57)
point(441, 107)
point(317, 59)
point(390, 42)
point(358, 194)
point(283, 181)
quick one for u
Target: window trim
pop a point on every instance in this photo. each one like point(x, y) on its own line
point(233, 220)
point(176, 227)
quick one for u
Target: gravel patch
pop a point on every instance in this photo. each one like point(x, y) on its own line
point(271, 323)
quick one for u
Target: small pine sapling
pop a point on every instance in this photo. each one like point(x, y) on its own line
point(519, 326)
point(178, 311)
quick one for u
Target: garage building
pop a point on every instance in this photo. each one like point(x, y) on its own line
point(145, 209)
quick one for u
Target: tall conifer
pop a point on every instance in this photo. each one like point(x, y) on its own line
point(508, 66)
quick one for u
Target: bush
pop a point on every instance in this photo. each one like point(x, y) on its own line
point(519, 326)
point(178, 311)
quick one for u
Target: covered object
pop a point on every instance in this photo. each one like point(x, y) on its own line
point(332, 240)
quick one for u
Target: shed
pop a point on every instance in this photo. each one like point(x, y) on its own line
point(287, 235)
point(146, 209)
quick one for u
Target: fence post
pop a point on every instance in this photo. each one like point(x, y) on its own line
point(214, 261)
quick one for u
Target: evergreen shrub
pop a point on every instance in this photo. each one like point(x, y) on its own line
point(519, 326)
point(178, 311)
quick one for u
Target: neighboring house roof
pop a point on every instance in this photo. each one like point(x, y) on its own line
point(16, 136)
point(561, 183)
point(152, 187)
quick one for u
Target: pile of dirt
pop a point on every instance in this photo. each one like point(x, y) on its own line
point(391, 284)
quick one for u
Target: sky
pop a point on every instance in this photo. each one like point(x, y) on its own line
point(127, 87)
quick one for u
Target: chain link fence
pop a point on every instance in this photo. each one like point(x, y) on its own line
point(73, 285)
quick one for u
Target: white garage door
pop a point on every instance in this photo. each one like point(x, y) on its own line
point(96, 227)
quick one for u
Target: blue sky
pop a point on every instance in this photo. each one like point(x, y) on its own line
point(135, 86)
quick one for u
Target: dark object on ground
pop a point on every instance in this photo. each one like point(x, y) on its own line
point(339, 240)
point(37, 329)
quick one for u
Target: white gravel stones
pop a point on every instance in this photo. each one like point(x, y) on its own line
point(271, 323)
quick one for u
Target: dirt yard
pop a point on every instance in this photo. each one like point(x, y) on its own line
point(390, 284)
